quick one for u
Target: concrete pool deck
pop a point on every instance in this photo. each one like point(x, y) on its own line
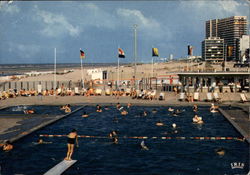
point(13, 127)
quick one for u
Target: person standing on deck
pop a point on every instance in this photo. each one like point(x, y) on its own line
point(72, 139)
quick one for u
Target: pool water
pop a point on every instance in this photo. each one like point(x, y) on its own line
point(39, 109)
point(98, 155)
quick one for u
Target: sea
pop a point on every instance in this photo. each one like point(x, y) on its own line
point(19, 69)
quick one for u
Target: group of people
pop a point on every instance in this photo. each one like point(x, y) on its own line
point(66, 108)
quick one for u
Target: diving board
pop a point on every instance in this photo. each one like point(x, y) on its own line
point(60, 167)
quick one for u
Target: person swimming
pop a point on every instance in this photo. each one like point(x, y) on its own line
point(67, 108)
point(129, 105)
point(85, 114)
point(213, 108)
point(145, 113)
point(197, 119)
point(124, 112)
point(118, 106)
point(98, 108)
point(7, 146)
point(195, 108)
point(220, 151)
point(29, 111)
point(41, 141)
point(143, 146)
point(170, 109)
point(154, 111)
point(113, 135)
point(159, 123)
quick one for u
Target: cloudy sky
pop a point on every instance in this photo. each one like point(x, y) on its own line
point(29, 31)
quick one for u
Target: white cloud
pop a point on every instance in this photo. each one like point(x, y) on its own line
point(8, 8)
point(219, 8)
point(56, 24)
point(27, 51)
point(149, 26)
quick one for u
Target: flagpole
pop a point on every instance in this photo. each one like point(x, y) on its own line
point(82, 74)
point(55, 72)
point(118, 73)
point(152, 68)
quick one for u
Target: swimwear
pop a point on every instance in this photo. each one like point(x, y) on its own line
point(71, 140)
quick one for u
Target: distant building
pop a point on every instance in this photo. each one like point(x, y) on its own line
point(244, 48)
point(213, 49)
point(231, 30)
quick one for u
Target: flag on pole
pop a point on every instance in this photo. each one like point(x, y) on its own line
point(190, 50)
point(121, 53)
point(155, 52)
point(82, 54)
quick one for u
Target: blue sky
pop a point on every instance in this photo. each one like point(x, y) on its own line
point(30, 31)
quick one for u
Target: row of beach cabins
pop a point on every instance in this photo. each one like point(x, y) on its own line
point(144, 94)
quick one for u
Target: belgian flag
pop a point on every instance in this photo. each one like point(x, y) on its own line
point(155, 52)
point(82, 54)
point(121, 53)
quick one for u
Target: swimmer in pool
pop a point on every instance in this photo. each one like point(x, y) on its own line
point(143, 146)
point(129, 105)
point(220, 151)
point(145, 113)
point(154, 111)
point(170, 109)
point(213, 108)
point(7, 146)
point(113, 135)
point(98, 108)
point(118, 106)
point(159, 123)
point(29, 111)
point(197, 119)
point(72, 139)
point(195, 108)
point(41, 141)
point(85, 114)
point(67, 108)
point(124, 112)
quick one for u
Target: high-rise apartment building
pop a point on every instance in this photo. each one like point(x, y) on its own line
point(231, 30)
point(213, 49)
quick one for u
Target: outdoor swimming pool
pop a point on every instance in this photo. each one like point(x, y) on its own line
point(98, 155)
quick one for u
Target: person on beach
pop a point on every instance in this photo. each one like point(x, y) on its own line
point(7, 146)
point(72, 139)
